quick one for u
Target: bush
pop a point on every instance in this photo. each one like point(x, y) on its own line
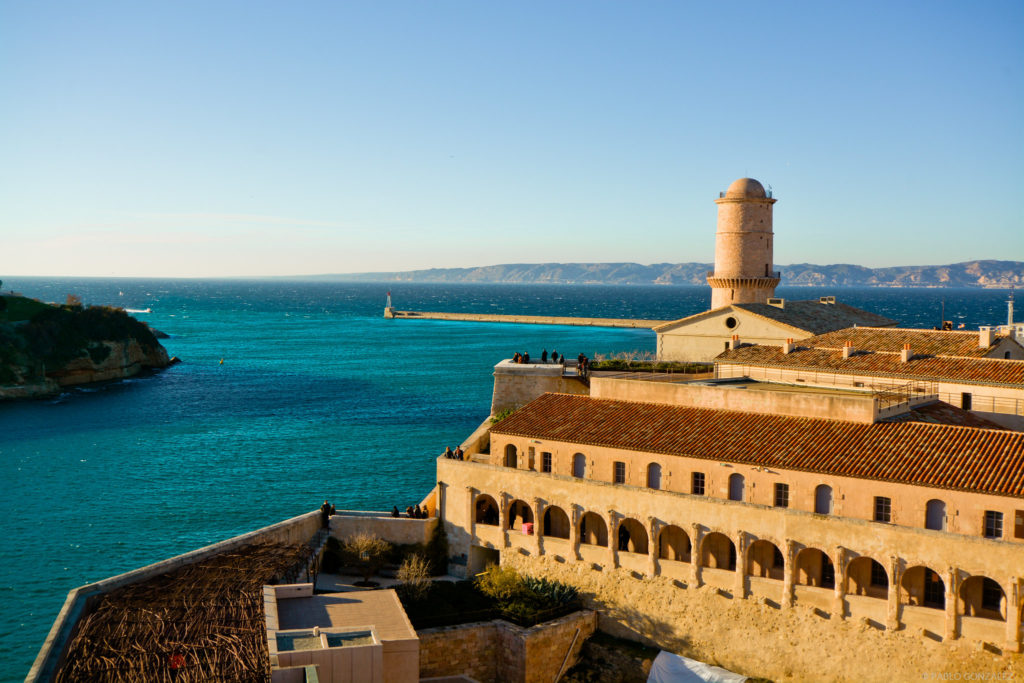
point(332, 560)
point(366, 553)
point(551, 593)
point(414, 575)
point(501, 415)
point(500, 583)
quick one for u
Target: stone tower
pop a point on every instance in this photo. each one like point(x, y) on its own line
point(744, 271)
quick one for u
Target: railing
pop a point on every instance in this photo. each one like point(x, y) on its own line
point(889, 398)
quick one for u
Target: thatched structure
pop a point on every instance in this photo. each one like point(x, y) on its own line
point(202, 622)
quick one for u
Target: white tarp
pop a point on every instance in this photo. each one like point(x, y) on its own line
point(670, 668)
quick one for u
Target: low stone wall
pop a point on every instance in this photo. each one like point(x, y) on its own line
point(528, 319)
point(757, 638)
point(291, 531)
point(400, 530)
point(500, 651)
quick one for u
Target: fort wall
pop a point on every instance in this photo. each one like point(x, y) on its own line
point(527, 319)
point(500, 651)
point(516, 384)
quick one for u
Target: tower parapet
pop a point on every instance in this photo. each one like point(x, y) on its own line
point(744, 270)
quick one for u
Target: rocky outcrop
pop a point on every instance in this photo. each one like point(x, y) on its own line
point(62, 346)
point(123, 360)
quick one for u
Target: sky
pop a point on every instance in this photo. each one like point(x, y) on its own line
point(205, 139)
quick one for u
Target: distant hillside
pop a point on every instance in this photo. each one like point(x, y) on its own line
point(967, 274)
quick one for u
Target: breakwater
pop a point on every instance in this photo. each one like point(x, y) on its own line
point(525, 319)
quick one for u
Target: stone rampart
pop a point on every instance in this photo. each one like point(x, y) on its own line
point(402, 530)
point(516, 384)
point(757, 638)
point(500, 651)
point(528, 319)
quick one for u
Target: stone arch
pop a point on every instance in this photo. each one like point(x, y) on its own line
point(579, 466)
point(717, 551)
point(556, 522)
point(922, 586)
point(485, 510)
point(982, 597)
point(823, 502)
point(674, 544)
point(511, 456)
point(632, 536)
point(814, 568)
point(593, 530)
point(654, 476)
point(737, 486)
point(935, 515)
point(764, 559)
point(519, 512)
point(867, 576)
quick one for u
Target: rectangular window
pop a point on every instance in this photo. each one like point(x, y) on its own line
point(620, 473)
point(993, 524)
point(1018, 524)
point(883, 509)
point(697, 488)
point(965, 401)
point(782, 495)
point(545, 462)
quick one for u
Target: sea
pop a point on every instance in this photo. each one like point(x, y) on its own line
point(289, 393)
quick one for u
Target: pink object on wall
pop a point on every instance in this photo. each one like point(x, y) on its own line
point(528, 528)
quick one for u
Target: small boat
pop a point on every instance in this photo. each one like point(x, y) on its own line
point(138, 310)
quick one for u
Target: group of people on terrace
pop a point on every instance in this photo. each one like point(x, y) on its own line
point(582, 362)
point(525, 357)
point(457, 454)
point(411, 512)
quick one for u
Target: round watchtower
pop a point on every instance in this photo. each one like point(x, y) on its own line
point(744, 271)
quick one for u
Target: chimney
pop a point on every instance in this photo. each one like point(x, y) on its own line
point(986, 337)
point(847, 349)
point(735, 342)
point(789, 346)
point(906, 354)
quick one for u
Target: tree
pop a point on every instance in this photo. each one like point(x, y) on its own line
point(414, 575)
point(367, 553)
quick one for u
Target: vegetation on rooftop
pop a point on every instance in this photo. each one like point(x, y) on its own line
point(496, 593)
point(644, 361)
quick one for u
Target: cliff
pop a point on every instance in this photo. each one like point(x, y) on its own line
point(987, 273)
point(44, 348)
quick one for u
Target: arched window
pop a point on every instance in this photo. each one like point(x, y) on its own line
point(736, 486)
point(511, 458)
point(654, 476)
point(823, 499)
point(579, 466)
point(935, 515)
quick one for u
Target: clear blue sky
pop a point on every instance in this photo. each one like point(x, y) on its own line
point(257, 138)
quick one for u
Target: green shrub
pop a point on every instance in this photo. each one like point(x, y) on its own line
point(414, 577)
point(550, 593)
point(501, 583)
point(501, 415)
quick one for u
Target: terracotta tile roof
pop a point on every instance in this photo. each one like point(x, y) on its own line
point(817, 317)
point(940, 412)
point(941, 456)
point(881, 364)
point(806, 316)
point(926, 342)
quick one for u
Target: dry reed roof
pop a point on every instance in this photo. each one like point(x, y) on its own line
point(210, 613)
point(880, 364)
point(961, 458)
point(925, 342)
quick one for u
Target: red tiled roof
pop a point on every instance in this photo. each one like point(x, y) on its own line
point(925, 342)
point(940, 412)
point(942, 456)
point(882, 364)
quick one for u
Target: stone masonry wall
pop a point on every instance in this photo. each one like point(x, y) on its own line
point(499, 651)
point(755, 638)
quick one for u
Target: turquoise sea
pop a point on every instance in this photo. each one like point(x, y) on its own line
point(318, 397)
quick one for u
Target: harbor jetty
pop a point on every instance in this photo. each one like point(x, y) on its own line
point(524, 319)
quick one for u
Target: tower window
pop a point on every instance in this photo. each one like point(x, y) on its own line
point(730, 322)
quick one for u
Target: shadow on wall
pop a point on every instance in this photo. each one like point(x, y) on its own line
point(635, 624)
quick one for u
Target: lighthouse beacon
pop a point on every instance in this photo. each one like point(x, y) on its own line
point(744, 271)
